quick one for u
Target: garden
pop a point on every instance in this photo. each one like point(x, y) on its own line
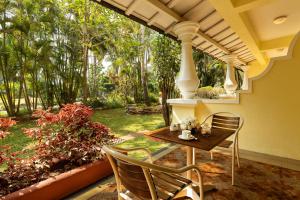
point(60, 142)
point(75, 76)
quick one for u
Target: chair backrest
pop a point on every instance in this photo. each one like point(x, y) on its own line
point(226, 120)
point(131, 175)
point(133, 179)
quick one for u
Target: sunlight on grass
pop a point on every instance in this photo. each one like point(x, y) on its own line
point(117, 120)
point(142, 142)
point(122, 124)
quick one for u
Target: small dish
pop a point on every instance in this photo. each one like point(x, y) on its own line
point(190, 138)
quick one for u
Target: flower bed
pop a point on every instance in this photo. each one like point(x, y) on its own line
point(66, 140)
point(64, 184)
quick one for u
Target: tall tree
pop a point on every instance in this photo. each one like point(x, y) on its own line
point(211, 72)
point(166, 62)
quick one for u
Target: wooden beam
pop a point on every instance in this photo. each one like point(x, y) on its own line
point(220, 32)
point(228, 36)
point(208, 39)
point(172, 3)
point(200, 44)
point(236, 45)
point(244, 53)
point(240, 23)
point(241, 49)
point(213, 25)
point(170, 27)
point(153, 18)
point(132, 6)
point(230, 42)
point(193, 10)
point(134, 18)
point(207, 16)
point(164, 9)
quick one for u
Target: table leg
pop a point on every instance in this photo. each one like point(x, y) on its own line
point(189, 161)
point(190, 152)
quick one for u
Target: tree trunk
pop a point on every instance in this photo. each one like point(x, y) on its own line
point(144, 68)
point(85, 53)
point(165, 107)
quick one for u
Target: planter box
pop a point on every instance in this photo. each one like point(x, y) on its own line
point(64, 184)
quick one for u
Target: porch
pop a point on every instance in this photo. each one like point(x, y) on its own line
point(260, 38)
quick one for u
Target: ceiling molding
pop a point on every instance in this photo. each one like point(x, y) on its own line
point(276, 43)
point(244, 5)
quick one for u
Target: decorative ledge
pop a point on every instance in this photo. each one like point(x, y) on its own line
point(184, 102)
point(194, 102)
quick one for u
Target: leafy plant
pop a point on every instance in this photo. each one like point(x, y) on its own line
point(68, 136)
point(209, 92)
point(5, 124)
point(66, 139)
point(165, 70)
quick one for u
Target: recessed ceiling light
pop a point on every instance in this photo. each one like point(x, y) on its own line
point(280, 19)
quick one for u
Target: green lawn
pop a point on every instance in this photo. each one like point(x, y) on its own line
point(117, 120)
point(122, 124)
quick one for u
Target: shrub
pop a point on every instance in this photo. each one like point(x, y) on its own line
point(65, 140)
point(114, 100)
point(153, 98)
point(209, 92)
point(69, 135)
point(5, 124)
point(95, 103)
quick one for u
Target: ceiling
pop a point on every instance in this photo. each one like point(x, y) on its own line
point(242, 27)
point(262, 19)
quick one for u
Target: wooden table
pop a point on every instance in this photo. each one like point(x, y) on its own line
point(203, 142)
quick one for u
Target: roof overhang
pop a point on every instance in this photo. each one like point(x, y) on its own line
point(226, 26)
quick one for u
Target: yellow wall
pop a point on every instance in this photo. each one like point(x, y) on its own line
point(271, 111)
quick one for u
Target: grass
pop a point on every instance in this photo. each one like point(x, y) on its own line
point(122, 124)
point(117, 120)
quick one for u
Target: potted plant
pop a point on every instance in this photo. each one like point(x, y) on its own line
point(68, 156)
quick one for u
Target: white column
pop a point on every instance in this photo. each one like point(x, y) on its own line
point(230, 84)
point(245, 85)
point(187, 81)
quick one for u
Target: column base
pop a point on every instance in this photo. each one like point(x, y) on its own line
point(187, 95)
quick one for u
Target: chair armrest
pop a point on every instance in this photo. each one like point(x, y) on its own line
point(122, 150)
point(188, 168)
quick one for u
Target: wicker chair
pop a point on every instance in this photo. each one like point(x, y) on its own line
point(227, 121)
point(146, 180)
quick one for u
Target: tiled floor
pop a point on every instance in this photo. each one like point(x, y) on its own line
point(254, 181)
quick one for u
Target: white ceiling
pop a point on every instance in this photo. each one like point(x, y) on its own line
point(262, 19)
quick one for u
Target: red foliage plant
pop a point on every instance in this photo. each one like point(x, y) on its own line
point(66, 140)
point(68, 136)
point(5, 124)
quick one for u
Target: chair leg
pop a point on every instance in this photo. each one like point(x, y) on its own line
point(194, 156)
point(232, 164)
point(237, 153)
point(211, 155)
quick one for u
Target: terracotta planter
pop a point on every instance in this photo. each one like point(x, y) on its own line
point(64, 184)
